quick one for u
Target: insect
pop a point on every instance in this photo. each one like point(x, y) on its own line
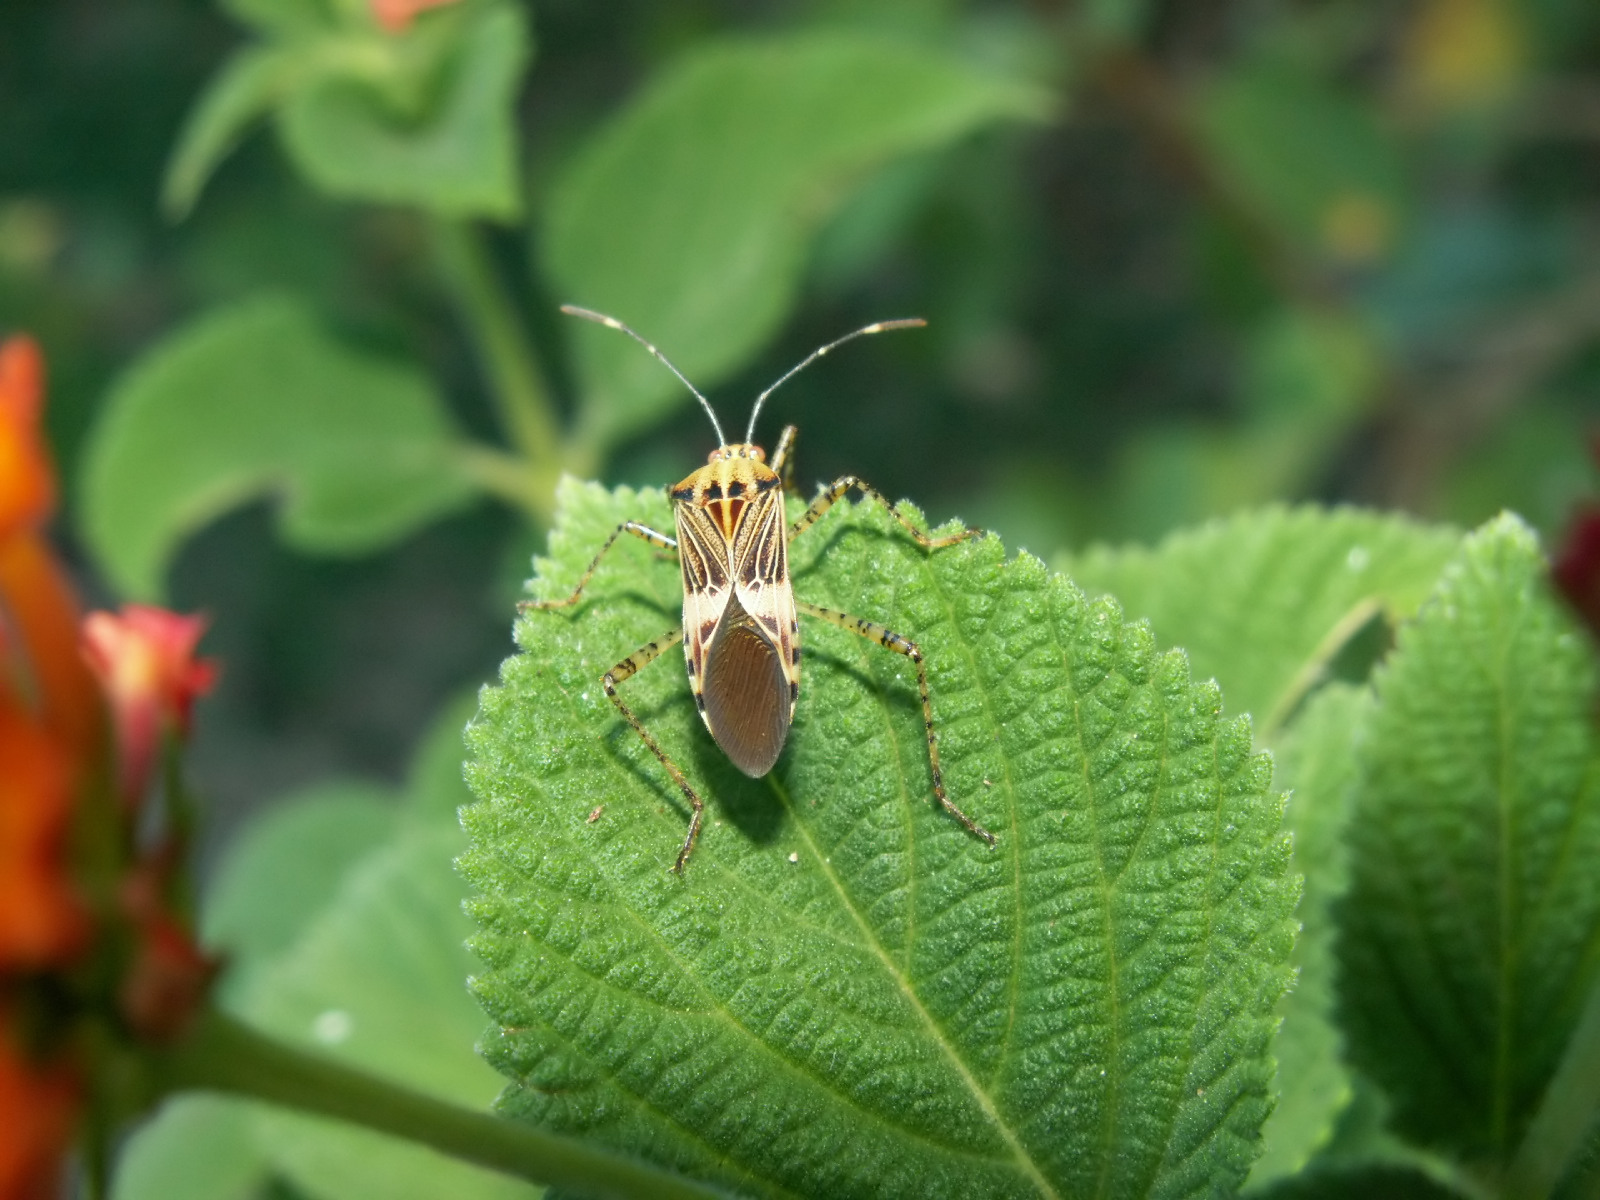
point(740, 629)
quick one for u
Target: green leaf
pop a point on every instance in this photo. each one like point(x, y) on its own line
point(436, 789)
point(1468, 936)
point(1264, 600)
point(456, 158)
point(377, 981)
point(1316, 763)
point(285, 868)
point(197, 1147)
point(847, 994)
point(688, 217)
point(249, 86)
point(1311, 159)
point(259, 399)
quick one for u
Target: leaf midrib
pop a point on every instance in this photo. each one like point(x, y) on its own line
point(639, 786)
point(908, 991)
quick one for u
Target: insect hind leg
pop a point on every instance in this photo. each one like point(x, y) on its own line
point(626, 669)
point(643, 532)
point(843, 484)
point(890, 640)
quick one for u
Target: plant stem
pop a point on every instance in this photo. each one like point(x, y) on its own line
point(506, 476)
point(224, 1055)
point(516, 381)
point(1566, 1115)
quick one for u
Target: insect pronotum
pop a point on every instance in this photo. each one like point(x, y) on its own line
point(740, 629)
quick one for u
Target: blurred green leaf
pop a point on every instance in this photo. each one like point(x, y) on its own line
point(377, 981)
point(196, 1147)
point(260, 400)
point(285, 868)
point(688, 216)
point(1467, 936)
point(1313, 369)
point(1312, 159)
point(457, 157)
point(1316, 763)
point(249, 86)
point(847, 994)
point(340, 912)
point(1264, 600)
point(436, 787)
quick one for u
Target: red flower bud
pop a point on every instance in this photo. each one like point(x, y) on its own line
point(146, 663)
point(396, 15)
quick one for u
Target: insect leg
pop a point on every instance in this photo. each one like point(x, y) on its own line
point(842, 485)
point(628, 667)
point(659, 540)
point(891, 640)
point(782, 457)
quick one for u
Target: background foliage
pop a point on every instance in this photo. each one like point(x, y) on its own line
point(1193, 273)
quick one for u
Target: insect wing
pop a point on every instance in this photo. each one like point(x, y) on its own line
point(746, 693)
point(740, 632)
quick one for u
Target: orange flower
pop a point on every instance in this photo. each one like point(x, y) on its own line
point(396, 15)
point(41, 919)
point(27, 484)
point(146, 663)
point(39, 1105)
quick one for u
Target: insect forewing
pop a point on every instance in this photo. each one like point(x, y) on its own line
point(741, 638)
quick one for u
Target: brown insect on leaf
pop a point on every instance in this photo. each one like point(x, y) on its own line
point(740, 628)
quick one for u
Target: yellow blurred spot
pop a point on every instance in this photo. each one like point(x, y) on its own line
point(31, 234)
point(1463, 53)
point(1356, 227)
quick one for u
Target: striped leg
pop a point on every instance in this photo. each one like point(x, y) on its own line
point(842, 485)
point(783, 457)
point(890, 640)
point(643, 532)
point(626, 669)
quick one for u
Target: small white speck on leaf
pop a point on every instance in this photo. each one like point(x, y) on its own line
point(794, 858)
point(332, 1027)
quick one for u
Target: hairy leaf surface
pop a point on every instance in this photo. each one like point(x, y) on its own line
point(1468, 939)
point(1264, 600)
point(847, 994)
point(688, 215)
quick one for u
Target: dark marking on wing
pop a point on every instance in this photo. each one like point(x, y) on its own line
point(747, 701)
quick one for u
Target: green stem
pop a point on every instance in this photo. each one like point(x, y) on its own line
point(223, 1055)
point(507, 476)
point(517, 384)
point(1566, 1115)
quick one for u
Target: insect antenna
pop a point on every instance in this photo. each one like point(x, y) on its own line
point(875, 327)
point(588, 314)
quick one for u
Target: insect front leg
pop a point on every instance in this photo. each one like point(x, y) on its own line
point(843, 484)
point(628, 667)
point(783, 457)
point(659, 540)
point(891, 640)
